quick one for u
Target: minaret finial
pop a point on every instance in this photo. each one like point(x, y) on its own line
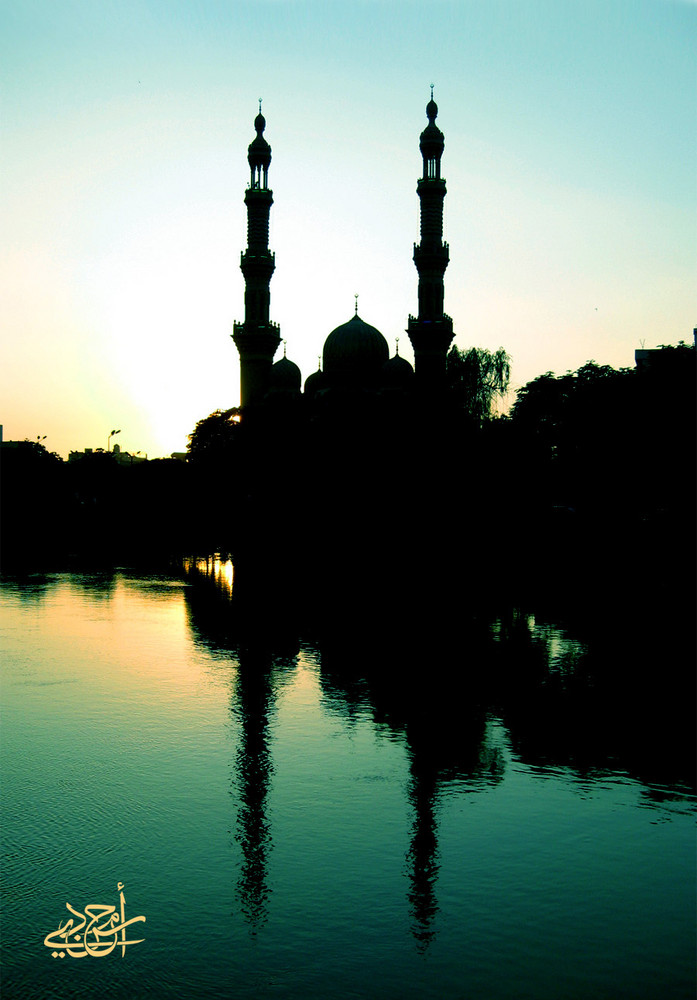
point(431, 97)
point(260, 99)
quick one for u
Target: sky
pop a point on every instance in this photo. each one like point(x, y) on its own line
point(570, 154)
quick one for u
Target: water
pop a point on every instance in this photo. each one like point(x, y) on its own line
point(292, 826)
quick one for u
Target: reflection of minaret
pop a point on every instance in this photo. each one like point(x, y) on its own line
point(253, 769)
point(432, 331)
point(257, 338)
point(423, 852)
point(445, 743)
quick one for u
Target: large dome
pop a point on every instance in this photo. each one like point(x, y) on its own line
point(355, 348)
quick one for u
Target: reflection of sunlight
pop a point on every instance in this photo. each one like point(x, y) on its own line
point(120, 635)
point(215, 567)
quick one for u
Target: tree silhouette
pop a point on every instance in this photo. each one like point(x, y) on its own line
point(32, 502)
point(619, 439)
point(475, 379)
point(213, 439)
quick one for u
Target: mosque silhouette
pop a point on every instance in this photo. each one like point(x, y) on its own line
point(355, 357)
point(338, 489)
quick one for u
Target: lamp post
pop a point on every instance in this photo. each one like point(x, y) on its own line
point(108, 440)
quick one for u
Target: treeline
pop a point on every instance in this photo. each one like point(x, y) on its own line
point(603, 463)
point(588, 483)
point(90, 510)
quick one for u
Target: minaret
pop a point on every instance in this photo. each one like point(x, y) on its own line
point(257, 338)
point(432, 331)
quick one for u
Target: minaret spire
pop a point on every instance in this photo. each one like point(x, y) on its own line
point(257, 338)
point(432, 331)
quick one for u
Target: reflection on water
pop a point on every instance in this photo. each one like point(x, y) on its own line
point(253, 771)
point(216, 568)
point(494, 811)
point(429, 781)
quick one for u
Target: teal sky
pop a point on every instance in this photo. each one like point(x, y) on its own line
point(570, 157)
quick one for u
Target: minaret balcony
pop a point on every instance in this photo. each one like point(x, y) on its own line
point(445, 246)
point(257, 267)
point(430, 336)
point(443, 320)
point(256, 328)
point(261, 256)
point(434, 185)
point(263, 195)
point(434, 258)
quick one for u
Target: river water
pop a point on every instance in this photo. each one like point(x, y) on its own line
point(293, 825)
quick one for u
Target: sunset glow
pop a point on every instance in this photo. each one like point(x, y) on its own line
point(569, 159)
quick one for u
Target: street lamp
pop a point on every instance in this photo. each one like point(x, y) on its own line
point(108, 440)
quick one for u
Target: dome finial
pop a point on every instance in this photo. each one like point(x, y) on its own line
point(431, 108)
point(396, 346)
point(284, 347)
point(356, 298)
point(259, 121)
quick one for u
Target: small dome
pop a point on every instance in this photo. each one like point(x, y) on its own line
point(315, 383)
point(260, 122)
point(285, 376)
point(397, 372)
point(432, 110)
point(354, 348)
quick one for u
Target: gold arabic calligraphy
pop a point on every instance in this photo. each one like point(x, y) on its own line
point(98, 931)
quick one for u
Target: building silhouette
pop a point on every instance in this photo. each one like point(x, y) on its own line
point(431, 332)
point(257, 338)
point(356, 360)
